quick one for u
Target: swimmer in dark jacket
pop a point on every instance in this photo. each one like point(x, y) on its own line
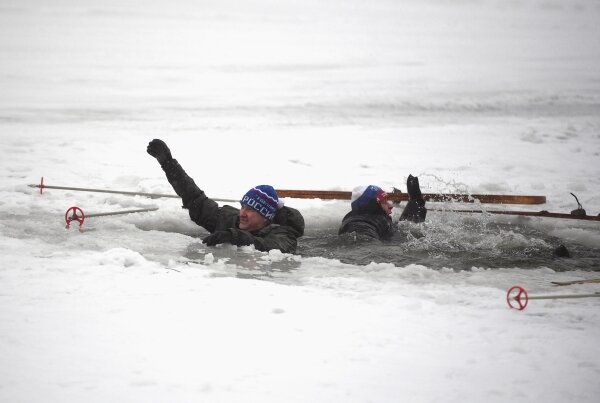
point(262, 220)
point(370, 216)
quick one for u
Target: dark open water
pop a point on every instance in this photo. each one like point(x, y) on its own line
point(455, 242)
point(459, 244)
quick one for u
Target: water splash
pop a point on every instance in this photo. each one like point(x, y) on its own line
point(457, 242)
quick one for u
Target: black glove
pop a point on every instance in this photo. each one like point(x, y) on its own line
point(217, 237)
point(159, 150)
point(412, 186)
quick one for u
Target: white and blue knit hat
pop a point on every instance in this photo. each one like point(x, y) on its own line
point(361, 195)
point(263, 199)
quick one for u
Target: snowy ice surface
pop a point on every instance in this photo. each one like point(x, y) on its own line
point(479, 96)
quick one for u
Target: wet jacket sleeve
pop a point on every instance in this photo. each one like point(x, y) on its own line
point(279, 237)
point(203, 211)
point(414, 211)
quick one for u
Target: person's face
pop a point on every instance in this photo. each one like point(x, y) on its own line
point(250, 220)
point(386, 206)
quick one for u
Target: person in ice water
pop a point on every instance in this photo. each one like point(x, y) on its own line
point(262, 220)
point(370, 216)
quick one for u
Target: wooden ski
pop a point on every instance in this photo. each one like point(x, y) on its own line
point(432, 197)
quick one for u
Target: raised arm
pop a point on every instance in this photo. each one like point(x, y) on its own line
point(203, 211)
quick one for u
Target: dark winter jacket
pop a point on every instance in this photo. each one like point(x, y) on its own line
point(282, 233)
point(369, 220)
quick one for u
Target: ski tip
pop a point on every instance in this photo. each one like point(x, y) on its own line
point(592, 280)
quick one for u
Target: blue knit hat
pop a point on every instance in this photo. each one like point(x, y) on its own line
point(263, 199)
point(361, 195)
